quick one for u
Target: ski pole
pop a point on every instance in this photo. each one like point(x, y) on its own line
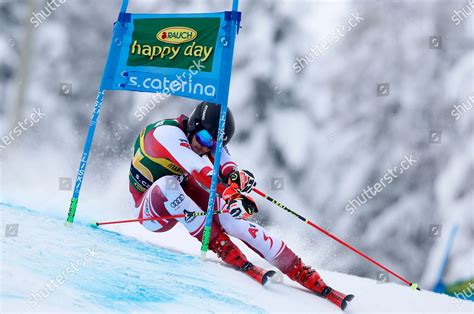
point(412, 285)
point(196, 214)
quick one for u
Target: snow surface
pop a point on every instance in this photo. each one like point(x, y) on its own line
point(143, 271)
point(341, 136)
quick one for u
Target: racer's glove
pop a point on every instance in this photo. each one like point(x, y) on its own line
point(240, 206)
point(244, 180)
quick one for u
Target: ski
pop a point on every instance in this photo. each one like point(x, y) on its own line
point(338, 298)
point(259, 274)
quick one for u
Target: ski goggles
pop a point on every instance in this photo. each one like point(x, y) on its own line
point(205, 139)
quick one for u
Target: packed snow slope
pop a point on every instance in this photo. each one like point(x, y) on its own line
point(48, 267)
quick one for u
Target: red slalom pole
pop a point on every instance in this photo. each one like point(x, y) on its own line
point(158, 218)
point(138, 220)
point(412, 285)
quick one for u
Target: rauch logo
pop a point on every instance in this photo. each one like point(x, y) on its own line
point(176, 35)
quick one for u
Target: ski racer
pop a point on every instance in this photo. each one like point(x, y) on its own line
point(170, 175)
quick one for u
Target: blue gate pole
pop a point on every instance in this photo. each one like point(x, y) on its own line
point(85, 157)
point(90, 134)
point(439, 285)
point(124, 6)
point(215, 175)
point(223, 100)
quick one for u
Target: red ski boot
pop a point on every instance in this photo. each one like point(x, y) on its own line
point(293, 267)
point(309, 278)
point(306, 276)
point(231, 254)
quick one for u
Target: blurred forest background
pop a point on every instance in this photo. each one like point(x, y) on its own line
point(314, 139)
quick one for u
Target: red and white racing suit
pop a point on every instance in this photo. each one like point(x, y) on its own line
point(167, 196)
